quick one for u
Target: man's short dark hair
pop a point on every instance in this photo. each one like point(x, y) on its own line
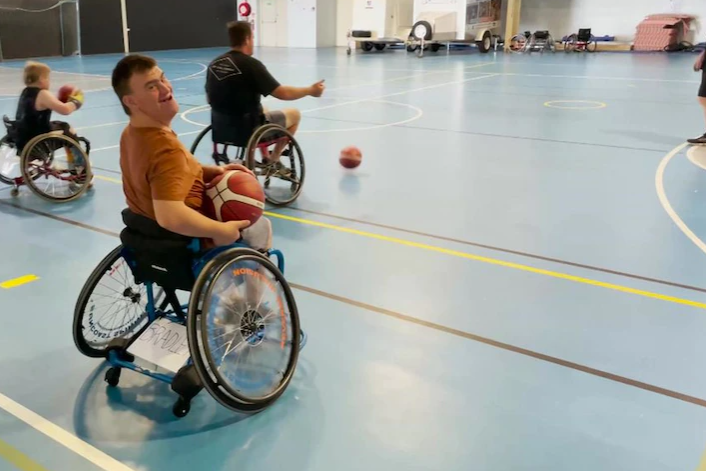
point(239, 32)
point(124, 70)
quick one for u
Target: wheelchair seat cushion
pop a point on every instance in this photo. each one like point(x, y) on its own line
point(157, 254)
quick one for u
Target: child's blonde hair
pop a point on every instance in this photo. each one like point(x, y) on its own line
point(35, 71)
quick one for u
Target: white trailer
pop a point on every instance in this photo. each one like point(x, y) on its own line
point(380, 23)
point(438, 22)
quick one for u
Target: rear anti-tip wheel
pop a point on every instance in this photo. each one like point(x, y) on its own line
point(282, 178)
point(243, 330)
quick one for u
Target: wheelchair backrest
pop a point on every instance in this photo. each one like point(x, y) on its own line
point(158, 255)
point(541, 35)
point(235, 130)
point(584, 34)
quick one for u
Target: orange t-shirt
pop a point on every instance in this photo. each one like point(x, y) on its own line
point(156, 166)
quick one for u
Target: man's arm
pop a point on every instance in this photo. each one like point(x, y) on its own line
point(287, 93)
point(268, 85)
point(170, 181)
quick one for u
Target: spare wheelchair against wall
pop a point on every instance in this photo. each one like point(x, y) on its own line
point(53, 165)
point(583, 41)
point(541, 41)
point(251, 141)
point(238, 334)
point(471, 22)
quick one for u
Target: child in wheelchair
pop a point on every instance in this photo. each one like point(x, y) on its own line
point(35, 106)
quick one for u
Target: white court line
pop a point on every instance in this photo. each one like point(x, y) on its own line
point(659, 184)
point(345, 103)
point(377, 98)
point(590, 77)
point(692, 157)
point(61, 436)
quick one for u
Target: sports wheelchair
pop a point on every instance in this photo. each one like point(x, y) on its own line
point(238, 336)
point(529, 42)
point(56, 178)
point(583, 41)
point(250, 133)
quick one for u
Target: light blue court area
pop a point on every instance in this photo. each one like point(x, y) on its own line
point(513, 279)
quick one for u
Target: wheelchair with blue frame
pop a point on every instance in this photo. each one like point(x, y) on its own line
point(237, 139)
point(238, 336)
point(53, 165)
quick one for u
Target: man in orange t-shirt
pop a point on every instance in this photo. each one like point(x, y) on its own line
point(161, 179)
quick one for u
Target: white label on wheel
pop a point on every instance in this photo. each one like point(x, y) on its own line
point(164, 344)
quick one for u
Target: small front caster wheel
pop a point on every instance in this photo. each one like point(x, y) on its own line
point(181, 408)
point(112, 376)
point(14, 192)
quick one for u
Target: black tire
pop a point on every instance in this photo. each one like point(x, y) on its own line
point(110, 265)
point(485, 44)
point(295, 179)
point(198, 330)
point(181, 408)
point(42, 148)
point(199, 138)
point(427, 33)
point(367, 46)
point(435, 47)
point(112, 377)
point(379, 47)
point(218, 157)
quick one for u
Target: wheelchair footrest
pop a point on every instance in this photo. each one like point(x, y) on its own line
point(186, 383)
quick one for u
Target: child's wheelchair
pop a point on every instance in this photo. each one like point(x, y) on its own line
point(57, 178)
point(250, 133)
point(583, 41)
point(239, 337)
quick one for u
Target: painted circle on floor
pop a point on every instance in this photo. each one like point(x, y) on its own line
point(418, 113)
point(575, 104)
point(697, 156)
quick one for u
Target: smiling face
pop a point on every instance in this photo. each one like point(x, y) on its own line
point(151, 95)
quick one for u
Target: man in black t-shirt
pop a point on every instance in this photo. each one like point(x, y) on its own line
point(236, 81)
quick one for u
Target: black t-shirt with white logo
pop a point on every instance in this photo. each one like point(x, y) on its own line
point(236, 81)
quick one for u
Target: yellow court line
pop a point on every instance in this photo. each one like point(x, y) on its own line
point(492, 261)
point(15, 282)
point(478, 258)
point(19, 459)
point(702, 463)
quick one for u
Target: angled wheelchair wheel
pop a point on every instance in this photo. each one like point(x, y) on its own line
point(222, 154)
point(243, 330)
point(55, 167)
point(111, 306)
point(282, 180)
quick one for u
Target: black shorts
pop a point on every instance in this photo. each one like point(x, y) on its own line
point(702, 88)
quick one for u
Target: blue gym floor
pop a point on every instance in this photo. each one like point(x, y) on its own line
point(512, 279)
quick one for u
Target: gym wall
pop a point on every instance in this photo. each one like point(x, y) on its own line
point(178, 24)
point(155, 24)
point(101, 26)
point(37, 28)
point(605, 17)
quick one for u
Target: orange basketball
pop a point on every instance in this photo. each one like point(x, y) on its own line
point(234, 196)
point(350, 157)
point(65, 92)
